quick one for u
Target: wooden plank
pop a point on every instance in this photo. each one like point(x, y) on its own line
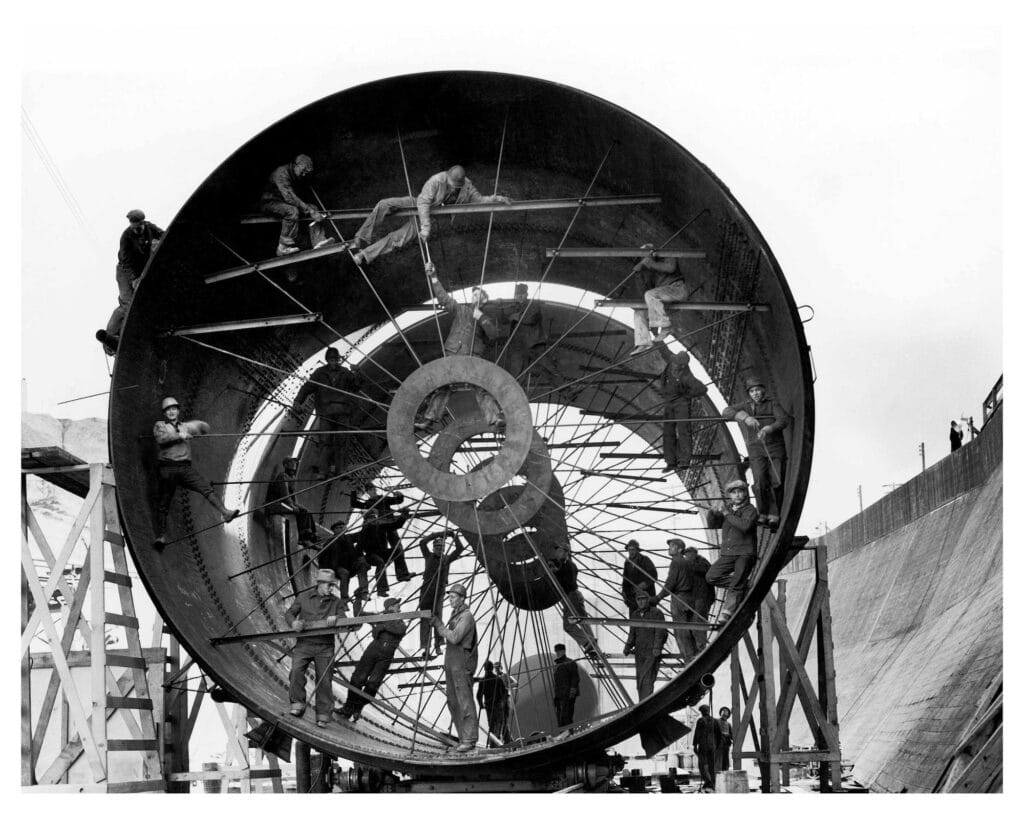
point(81, 659)
point(97, 605)
point(115, 619)
point(710, 306)
point(132, 745)
point(244, 324)
point(620, 253)
point(138, 703)
point(224, 773)
point(766, 682)
point(615, 621)
point(142, 786)
point(124, 661)
point(342, 624)
point(117, 579)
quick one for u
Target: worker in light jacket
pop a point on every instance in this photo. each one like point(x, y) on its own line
point(315, 608)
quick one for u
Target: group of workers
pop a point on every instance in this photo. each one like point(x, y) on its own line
point(691, 581)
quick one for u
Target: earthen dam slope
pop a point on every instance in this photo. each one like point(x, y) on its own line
point(916, 596)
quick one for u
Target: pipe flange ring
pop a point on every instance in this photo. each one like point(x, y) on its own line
point(536, 468)
point(440, 373)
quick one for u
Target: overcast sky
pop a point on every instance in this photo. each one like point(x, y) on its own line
point(869, 157)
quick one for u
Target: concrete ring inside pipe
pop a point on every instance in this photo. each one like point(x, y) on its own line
point(441, 373)
point(473, 518)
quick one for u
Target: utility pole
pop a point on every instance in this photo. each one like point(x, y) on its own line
point(860, 497)
point(920, 448)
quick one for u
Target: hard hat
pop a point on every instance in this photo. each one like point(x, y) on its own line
point(737, 485)
point(755, 381)
point(457, 588)
point(135, 215)
point(326, 576)
point(332, 353)
point(168, 402)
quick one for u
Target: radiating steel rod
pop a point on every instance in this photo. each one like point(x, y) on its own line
point(621, 253)
point(736, 307)
point(244, 324)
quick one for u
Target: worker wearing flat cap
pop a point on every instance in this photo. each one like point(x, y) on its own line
point(373, 666)
point(738, 521)
point(137, 244)
point(679, 588)
point(315, 608)
point(460, 658)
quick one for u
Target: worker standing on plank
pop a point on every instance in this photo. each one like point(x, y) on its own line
point(449, 187)
point(762, 420)
point(679, 587)
point(460, 658)
point(373, 666)
point(661, 281)
point(137, 244)
point(334, 389)
point(282, 198)
point(647, 644)
point(174, 462)
point(637, 572)
point(567, 686)
point(701, 595)
point(738, 522)
point(435, 577)
point(707, 739)
point(315, 608)
point(341, 555)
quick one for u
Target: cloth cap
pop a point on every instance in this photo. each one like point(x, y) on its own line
point(705, 709)
point(135, 215)
point(559, 646)
point(338, 524)
point(457, 588)
point(635, 544)
point(396, 498)
point(302, 159)
point(689, 549)
point(675, 541)
point(522, 288)
point(331, 354)
point(755, 381)
point(737, 485)
point(392, 601)
point(326, 576)
point(168, 402)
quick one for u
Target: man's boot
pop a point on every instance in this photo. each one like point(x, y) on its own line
point(227, 514)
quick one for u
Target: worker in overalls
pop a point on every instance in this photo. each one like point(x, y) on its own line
point(460, 658)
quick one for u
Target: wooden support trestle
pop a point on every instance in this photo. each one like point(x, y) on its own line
point(775, 705)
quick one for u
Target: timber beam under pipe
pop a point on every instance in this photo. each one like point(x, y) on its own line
point(244, 324)
point(710, 306)
point(482, 207)
point(620, 253)
point(342, 624)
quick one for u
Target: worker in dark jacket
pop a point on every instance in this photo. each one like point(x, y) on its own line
point(450, 187)
point(567, 686)
point(316, 608)
point(702, 593)
point(661, 281)
point(283, 198)
point(460, 658)
point(174, 462)
point(646, 644)
point(342, 556)
point(637, 572)
point(725, 727)
point(373, 666)
point(492, 697)
point(137, 244)
point(379, 521)
point(527, 336)
point(707, 738)
point(470, 331)
point(435, 578)
point(738, 522)
point(956, 436)
point(678, 387)
point(280, 501)
point(335, 390)
point(762, 420)
point(679, 587)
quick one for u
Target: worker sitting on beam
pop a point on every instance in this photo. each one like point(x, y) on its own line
point(661, 281)
point(450, 187)
point(281, 198)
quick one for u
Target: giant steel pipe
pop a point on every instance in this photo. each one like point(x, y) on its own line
point(555, 140)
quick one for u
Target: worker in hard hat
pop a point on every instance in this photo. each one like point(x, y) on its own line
point(373, 666)
point(138, 241)
point(738, 521)
point(335, 390)
point(460, 658)
point(315, 608)
point(174, 461)
point(762, 420)
point(451, 187)
point(283, 198)
point(661, 281)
